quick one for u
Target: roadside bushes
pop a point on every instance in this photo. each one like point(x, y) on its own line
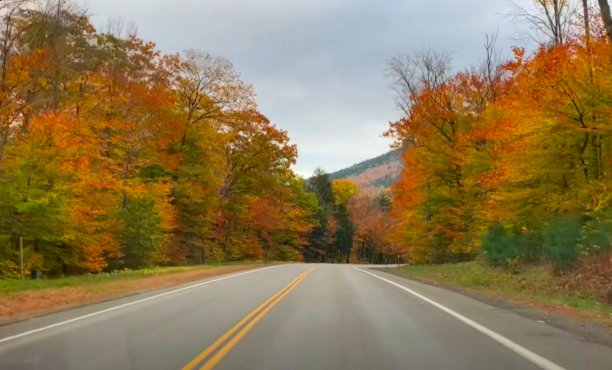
point(599, 233)
point(568, 239)
point(564, 241)
point(504, 247)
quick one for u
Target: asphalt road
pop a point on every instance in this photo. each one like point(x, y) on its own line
point(295, 317)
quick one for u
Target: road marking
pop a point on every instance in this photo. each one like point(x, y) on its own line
point(78, 318)
point(516, 348)
point(229, 345)
point(246, 325)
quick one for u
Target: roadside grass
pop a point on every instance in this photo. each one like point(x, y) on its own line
point(23, 299)
point(9, 286)
point(535, 286)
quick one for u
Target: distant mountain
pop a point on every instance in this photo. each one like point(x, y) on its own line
point(376, 174)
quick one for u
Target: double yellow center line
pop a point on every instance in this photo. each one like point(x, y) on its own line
point(244, 325)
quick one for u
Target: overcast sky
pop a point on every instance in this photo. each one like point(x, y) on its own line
point(318, 66)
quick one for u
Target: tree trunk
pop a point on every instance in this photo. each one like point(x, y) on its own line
point(607, 18)
point(6, 49)
point(587, 24)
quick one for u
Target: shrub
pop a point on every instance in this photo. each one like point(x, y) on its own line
point(562, 240)
point(9, 269)
point(598, 234)
point(504, 247)
point(10, 266)
point(285, 253)
point(496, 247)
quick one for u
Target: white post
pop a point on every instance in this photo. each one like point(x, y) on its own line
point(21, 255)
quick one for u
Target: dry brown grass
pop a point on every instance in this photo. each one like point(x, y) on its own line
point(594, 276)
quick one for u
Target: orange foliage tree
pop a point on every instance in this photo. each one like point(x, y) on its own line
point(516, 166)
point(115, 155)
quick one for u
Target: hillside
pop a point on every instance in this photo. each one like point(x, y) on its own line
point(374, 175)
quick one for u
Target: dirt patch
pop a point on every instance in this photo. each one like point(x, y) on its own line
point(24, 305)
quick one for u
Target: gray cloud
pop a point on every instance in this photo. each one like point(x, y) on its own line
point(318, 66)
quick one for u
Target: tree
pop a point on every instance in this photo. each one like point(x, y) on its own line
point(281, 222)
point(437, 190)
point(51, 204)
point(587, 21)
point(321, 186)
point(496, 158)
point(343, 191)
point(209, 86)
point(115, 155)
point(607, 18)
point(320, 238)
point(374, 230)
point(554, 19)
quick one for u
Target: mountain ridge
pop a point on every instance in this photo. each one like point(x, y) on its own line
point(374, 175)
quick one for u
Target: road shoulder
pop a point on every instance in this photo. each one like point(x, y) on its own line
point(24, 305)
point(586, 329)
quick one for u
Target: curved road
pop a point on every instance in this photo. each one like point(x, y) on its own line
point(297, 316)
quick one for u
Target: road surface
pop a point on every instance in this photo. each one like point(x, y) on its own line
point(298, 316)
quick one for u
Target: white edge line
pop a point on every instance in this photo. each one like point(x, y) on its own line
point(78, 318)
point(520, 350)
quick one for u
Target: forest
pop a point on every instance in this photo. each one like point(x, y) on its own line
point(511, 161)
point(508, 162)
point(114, 155)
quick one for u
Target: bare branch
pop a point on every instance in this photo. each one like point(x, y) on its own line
point(550, 20)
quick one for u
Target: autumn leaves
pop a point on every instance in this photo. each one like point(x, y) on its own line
point(508, 158)
point(115, 155)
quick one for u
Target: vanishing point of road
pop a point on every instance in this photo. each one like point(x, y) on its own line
point(298, 316)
